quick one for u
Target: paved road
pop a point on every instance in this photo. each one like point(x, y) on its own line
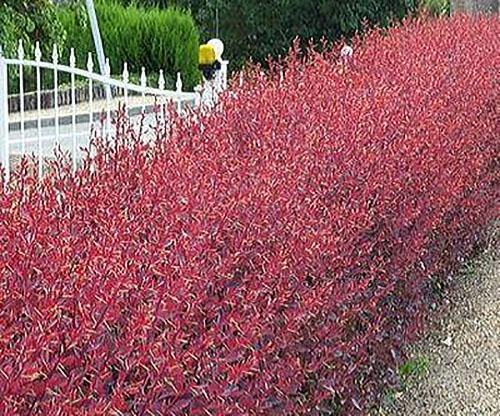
point(69, 136)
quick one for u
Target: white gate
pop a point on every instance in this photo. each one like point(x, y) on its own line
point(66, 115)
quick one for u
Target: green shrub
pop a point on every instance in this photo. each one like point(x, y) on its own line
point(257, 29)
point(29, 21)
point(252, 30)
point(436, 7)
point(79, 36)
point(154, 38)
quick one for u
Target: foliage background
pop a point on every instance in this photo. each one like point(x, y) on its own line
point(29, 21)
point(153, 38)
point(256, 29)
point(157, 38)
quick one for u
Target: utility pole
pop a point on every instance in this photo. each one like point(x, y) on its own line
point(96, 34)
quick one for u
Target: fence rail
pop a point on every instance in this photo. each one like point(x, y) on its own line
point(47, 125)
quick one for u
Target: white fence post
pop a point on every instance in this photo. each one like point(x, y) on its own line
point(223, 75)
point(178, 88)
point(96, 34)
point(4, 117)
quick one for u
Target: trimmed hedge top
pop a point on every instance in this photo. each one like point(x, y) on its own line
point(143, 37)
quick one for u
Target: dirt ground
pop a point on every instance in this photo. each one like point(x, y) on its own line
point(457, 365)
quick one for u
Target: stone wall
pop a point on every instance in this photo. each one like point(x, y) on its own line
point(475, 6)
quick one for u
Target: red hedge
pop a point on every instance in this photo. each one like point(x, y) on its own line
point(272, 259)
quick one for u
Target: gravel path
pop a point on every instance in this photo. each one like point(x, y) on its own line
point(459, 371)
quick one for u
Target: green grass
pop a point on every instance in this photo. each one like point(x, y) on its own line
point(414, 368)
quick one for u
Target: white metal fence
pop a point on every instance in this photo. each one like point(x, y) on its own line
point(69, 123)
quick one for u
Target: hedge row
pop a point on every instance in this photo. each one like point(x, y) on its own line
point(152, 38)
point(256, 29)
point(274, 257)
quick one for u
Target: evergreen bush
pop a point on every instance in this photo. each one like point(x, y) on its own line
point(152, 38)
point(256, 29)
point(29, 21)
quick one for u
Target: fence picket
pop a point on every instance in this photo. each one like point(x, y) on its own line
point(4, 117)
point(108, 101)
point(38, 58)
point(125, 77)
point(144, 81)
point(178, 87)
point(20, 55)
point(72, 64)
point(55, 61)
point(90, 68)
point(161, 86)
point(223, 76)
